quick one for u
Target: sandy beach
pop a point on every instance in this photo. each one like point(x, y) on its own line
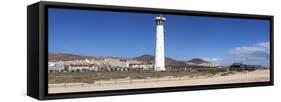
point(118, 84)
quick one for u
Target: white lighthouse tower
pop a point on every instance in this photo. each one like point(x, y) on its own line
point(159, 64)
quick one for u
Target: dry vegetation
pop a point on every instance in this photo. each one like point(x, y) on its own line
point(91, 77)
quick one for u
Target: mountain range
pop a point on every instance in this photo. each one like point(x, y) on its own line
point(144, 58)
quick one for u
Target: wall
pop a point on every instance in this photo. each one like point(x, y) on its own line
point(13, 51)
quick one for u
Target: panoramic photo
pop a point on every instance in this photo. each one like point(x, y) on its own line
point(95, 50)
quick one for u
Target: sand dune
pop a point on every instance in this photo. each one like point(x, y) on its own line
point(238, 77)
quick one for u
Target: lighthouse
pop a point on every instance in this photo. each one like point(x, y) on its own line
point(159, 64)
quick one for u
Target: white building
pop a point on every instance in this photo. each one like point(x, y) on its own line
point(56, 66)
point(142, 66)
point(159, 50)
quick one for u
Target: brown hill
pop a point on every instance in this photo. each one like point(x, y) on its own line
point(144, 58)
point(67, 57)
point(198, 61)
point(168, 61)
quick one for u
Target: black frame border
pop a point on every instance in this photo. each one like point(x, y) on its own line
point(43, 49)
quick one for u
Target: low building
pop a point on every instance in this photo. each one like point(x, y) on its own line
point(144, 66)
point(81, 67)
point(56, 66)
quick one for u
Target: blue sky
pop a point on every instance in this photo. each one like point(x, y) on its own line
point(121, 34)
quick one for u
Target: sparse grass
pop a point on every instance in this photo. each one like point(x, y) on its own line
point(92, 77)
point(226, 73)
point(242, 69)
